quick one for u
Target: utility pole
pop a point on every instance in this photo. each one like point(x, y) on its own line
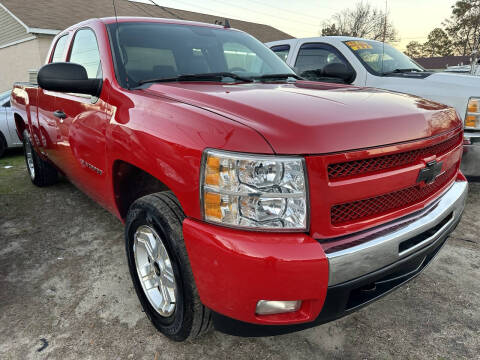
point(473, 61)
point(384, 32)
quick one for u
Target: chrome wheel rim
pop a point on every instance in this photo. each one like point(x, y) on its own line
point(29, 157)
point(154, 270)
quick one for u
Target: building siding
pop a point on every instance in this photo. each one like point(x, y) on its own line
point(10, 29)
point(20, 59)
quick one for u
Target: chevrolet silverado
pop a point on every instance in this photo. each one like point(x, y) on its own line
point(254, 201)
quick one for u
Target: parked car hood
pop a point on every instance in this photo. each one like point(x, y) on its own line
point(452, 89)
point(314, 118)
point(456, 79)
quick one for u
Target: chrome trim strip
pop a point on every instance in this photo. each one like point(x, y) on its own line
point(259, 194)
point(470, 165)
point(473, 136)
point(348, 264)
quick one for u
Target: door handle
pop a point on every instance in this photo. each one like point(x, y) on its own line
point(59, 114)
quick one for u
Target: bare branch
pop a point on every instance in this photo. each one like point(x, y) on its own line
point(362, 21)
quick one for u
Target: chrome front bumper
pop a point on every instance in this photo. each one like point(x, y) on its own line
point(388, 244)
point(471, 154)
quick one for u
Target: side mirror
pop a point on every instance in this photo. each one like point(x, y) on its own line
point(339, 70)
point(68, 77)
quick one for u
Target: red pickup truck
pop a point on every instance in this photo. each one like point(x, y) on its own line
point(253, 200)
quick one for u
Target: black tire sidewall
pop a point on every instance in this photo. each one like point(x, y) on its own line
point(26, 138)
point(3, 144)
point(175, 325)
point(45, 173)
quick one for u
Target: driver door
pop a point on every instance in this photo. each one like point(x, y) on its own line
point(82, 121)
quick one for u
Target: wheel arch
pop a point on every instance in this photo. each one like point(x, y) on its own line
point(20, 125)
point(130, 183)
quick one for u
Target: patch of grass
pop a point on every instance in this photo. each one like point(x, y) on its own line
point(12, 158)
point(14, 180)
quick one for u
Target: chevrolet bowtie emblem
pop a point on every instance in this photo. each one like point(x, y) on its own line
point(430, 172)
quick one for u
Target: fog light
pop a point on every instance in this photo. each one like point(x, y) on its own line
point(266, 307)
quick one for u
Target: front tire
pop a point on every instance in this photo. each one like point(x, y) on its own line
point(160, 269)
point(41, 172)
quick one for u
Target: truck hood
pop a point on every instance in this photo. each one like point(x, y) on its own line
point(315, 118)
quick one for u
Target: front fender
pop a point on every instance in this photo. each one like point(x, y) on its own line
point(166, 139)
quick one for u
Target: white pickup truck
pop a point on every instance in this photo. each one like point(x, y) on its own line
point(464, 69)
point(360, 62)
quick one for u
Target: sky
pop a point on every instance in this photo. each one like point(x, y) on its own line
point(413, 19)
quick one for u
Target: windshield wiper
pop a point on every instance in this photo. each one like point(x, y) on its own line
point(198, 77)
point(401, 71)
point(277, 76)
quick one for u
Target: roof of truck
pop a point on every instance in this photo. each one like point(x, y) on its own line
point(322, 38)
point(120, 19)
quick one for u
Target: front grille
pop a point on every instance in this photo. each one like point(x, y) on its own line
point(363, 166)
point(378, 205)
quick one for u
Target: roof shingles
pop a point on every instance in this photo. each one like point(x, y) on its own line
point(441, 62)
point(60, 14)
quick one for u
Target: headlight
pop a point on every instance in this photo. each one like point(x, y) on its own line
point(472, 117)
point(254, 191)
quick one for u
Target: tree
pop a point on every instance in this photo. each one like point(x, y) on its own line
point(463, 26)
point(414, 49)
point(362, 21)
point(438, 43)
point(330, 30)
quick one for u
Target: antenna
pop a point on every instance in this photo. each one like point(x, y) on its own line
point(384, 32)
point(117, 36)
point(227, 24)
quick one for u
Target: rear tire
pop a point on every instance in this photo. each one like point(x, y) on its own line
point(160, 215)
point(3, 145)
point(41, 172)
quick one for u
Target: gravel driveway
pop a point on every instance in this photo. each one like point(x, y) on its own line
point(65, 293)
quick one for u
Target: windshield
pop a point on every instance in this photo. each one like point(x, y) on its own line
point(4, 95)
point(147, 51)
point(370, 54)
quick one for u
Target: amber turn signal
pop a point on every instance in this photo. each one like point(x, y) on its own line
point(471, 121)
point(212, 203)
point(473, 106)
point(212, 175)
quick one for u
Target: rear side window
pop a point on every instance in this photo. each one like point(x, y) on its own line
point(282, 51)
point(312, 59)
point(85, 52)
point(59, 49)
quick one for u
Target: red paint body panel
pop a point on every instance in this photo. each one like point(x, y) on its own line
point(337, 118)
point(325, 193)
point(165, 128)
point(234, 269)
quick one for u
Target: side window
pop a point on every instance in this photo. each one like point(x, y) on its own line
point(59, 49)
point(85, 52)
point(282, 51)
point(317, 62)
